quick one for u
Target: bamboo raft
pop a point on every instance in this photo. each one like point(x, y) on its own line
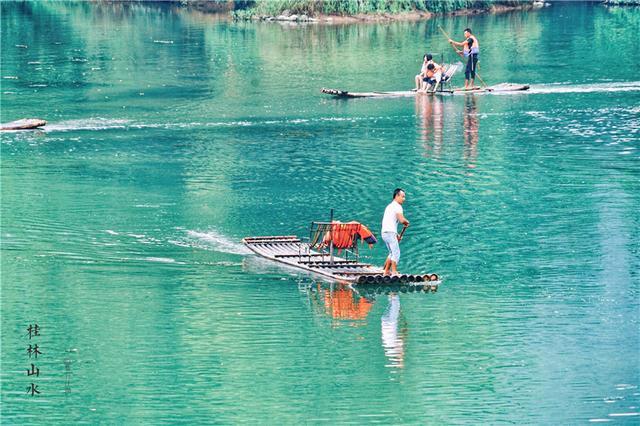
point(497, 88)
point(292, 251)
point(24, 124)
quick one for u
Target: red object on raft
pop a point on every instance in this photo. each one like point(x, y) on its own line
point(344, 234)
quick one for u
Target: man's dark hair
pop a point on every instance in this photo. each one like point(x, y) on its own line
point(469, 29)
point(396, 192)
point(429, 56)
point(431, 67)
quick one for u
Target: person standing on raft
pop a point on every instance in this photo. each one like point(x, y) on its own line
point(471, 50)
point(392, 215)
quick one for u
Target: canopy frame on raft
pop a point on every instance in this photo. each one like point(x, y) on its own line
point(327, 237)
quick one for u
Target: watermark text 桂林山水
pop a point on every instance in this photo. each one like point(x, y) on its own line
point(33, 350)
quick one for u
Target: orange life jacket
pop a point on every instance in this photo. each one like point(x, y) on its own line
point(343, 234)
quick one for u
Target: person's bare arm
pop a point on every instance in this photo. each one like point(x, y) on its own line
point(403, 220)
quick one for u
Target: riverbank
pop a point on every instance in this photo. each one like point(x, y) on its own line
point(351, 12)
point(355, 11)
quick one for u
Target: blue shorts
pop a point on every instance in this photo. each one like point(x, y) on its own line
point(391, 240)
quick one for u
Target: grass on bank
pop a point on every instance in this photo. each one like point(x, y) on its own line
point(355, 7)
point(622, 2)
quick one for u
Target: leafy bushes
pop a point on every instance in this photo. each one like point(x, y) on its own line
point(354, 7)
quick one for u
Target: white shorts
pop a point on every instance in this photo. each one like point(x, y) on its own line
point(391, 240)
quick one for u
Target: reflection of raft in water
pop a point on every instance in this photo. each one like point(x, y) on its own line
point(317, 256)
point(24, 124)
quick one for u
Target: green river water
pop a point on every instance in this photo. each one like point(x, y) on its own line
point(172, 134)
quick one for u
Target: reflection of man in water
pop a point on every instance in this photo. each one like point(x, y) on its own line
point(470, 131)
point(392, 341)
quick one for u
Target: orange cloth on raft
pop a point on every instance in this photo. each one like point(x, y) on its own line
point(343, 234)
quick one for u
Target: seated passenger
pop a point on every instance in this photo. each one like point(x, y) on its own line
point(432, 78)
point(426, 60)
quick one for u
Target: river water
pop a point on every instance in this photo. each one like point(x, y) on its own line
point(173, 134)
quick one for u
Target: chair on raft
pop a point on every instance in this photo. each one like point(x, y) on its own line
point(326, 237)
point(449, 71)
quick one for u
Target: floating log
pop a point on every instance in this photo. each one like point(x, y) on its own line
point(24, 124)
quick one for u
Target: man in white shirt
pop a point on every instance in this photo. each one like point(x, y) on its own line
point(393, 215)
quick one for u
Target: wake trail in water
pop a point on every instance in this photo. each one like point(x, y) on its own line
point(629, 86)
point(87, 124)
point(116, 124)
point(105, 124)
point(214, 241)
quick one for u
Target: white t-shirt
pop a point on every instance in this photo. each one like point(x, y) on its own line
point(390, 218)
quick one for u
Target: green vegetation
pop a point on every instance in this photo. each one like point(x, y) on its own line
point(354, 7)
point(623, 2)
